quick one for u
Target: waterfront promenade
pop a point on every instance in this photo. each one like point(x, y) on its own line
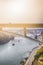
point(31, 57)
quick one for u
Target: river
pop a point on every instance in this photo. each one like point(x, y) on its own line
point(12, 55)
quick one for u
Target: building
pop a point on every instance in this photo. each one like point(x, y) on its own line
point(40, 37)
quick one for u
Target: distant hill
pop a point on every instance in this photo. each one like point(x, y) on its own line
point(5, 37)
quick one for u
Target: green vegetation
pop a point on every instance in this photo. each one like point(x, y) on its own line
point(40, 61)
point(39, 53)
point(38, 57)
point(22, 62)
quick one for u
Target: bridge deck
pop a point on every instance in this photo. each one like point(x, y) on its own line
point(22, 25)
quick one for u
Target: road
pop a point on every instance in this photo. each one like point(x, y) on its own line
point(31, 57)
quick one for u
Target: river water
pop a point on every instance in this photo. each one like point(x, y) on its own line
point(12, 55)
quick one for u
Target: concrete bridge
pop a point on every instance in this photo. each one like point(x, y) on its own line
point(21, 26)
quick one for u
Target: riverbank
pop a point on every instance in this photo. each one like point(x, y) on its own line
point(38, 59)
point(31, 57)
point(5, 37)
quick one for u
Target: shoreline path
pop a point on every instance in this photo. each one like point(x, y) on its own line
point(31, 57)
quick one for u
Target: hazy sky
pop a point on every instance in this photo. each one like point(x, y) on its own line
point(21, 11)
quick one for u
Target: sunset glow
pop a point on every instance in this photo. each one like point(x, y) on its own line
point(21, 11)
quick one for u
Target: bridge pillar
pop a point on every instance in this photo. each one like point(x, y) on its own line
point(24, 31)
point(0, 28)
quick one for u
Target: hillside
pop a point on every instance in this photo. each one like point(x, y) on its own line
point(38, 57)
point(5, 37)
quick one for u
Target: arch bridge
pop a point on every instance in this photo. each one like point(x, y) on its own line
point(21, 26)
